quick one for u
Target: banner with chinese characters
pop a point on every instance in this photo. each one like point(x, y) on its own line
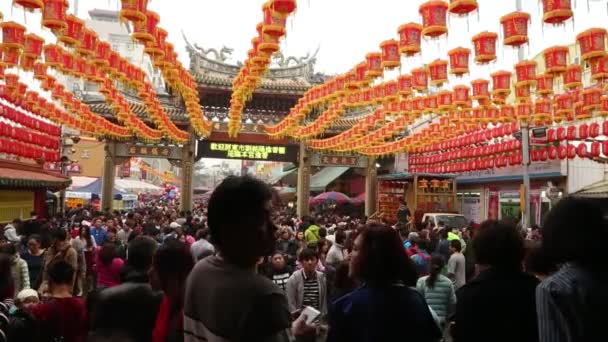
point(228, 150)
point(125, 170)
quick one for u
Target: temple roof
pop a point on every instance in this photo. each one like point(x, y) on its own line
point(287, 75)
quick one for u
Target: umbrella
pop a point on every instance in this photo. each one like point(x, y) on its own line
point(360, 199)
point(331, 196)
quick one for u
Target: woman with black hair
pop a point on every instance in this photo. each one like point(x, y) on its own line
point(438, 290)
point(570, 303)
point(7, 286)
point(386, 306)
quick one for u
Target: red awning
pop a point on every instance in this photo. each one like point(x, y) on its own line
point(22, 176)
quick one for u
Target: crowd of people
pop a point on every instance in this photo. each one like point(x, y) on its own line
point(241, 268)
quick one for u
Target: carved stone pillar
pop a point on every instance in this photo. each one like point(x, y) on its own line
point(187, 164)
point(371, 187)
point(303, 188)
point(109, 172)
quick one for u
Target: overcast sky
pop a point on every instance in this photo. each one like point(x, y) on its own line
point(345, 30)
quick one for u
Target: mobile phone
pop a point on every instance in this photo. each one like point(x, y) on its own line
point(311, 314)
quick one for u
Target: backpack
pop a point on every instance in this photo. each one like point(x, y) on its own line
point(421, 262)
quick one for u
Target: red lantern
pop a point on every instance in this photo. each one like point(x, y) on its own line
point(444, 100)
point(556, 11)
point(102, 53)
point(572, 77)
point(603, 111)
point(391, 91)
point(459, 61)
point(562, 152)
point(526, 73)
point(54, 14)
point(592, 99)
point(462, 7)
point(390, 54)
point(410, 38)
point(501, 83)
point(374, 65)
point(581, 150)
point(88, 43)
point(33, 46)
point(564, 105)
point(544, 84)
point(418, 105)
point(583, 131)
point(599, 69)
point(592, 43)
point(594, 130)
point(542, 111)
point(405, 85)
point(284, 7)
point(461, 95)
point(13, 35)
point(434, 18)
point(133, 10)
point(52, 56)
point(143, 31)
point(556, 59)
point(430, 103)
point(420, 79)
point(595, 149)
point(507, 113)
point(480, 91)
point(485, 47)
point(515, 28)
point(274, 23)
point(580, 111)
point(524, 111)
point(605, 148)
point(73, 33)
point(438, 71)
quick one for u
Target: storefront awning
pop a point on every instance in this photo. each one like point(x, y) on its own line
point(30, 178)
point(280, 177)
point(595, 190)
point(320, 180)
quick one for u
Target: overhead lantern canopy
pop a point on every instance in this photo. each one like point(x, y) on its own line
point(501, 83)
point(485, 47)
point(460, 96)
point(390, 54)
point(556, 11)
point(463, 7)
point(13, 41)
point(573, 77)
point(410, 35)
point(592, 43)
point(515, 28)
point(434, 18)
point(480, 91)
point(544, 84)
point(133, 10)
point(459, 61)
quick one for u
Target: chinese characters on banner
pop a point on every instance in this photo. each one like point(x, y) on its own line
point(228, 150)
point(339, 160)
point(151, 151)
point(125, 170)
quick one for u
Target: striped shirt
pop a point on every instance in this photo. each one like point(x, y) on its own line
point(311, 292)
point(281, 280)
point(571, 306)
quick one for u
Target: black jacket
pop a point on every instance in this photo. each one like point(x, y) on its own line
point(128, 309)
point(497, 306)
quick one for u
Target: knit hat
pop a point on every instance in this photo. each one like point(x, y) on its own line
point(27, 293)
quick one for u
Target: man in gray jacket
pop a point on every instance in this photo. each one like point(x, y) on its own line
point(307, 286)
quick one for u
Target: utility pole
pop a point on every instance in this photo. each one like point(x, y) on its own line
point(525, 143)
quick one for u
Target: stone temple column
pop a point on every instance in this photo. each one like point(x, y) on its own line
point(188, 155)
point(303, 188)
point(109, 172)
point(371, 187)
